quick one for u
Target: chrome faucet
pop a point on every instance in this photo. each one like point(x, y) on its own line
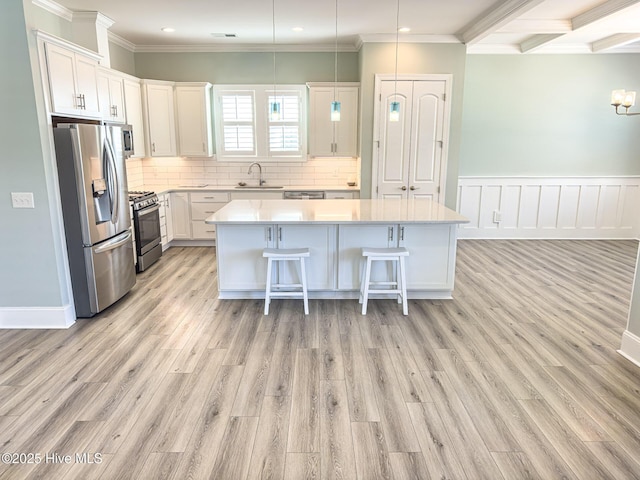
point(262, 182)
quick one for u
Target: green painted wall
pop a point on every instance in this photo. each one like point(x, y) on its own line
point(30, 274)
point(548, 115)
point(41, 19)
point(246, 67)
point(122, 59)
point(412, 58)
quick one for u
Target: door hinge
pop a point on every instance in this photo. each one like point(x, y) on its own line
point(438, 190)
point(441, 143)
point(444, 97)
point(379, 97)
point(378, 143)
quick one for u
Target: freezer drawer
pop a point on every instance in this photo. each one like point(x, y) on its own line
point(110, 271)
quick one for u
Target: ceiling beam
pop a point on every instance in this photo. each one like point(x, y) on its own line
point(490, 21)
point(601, 12)
point(537, 41)
point(614, 41)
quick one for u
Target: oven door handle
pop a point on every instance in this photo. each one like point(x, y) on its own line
point(148, 210)
point(115, 242)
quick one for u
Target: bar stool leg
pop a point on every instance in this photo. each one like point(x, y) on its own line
point(267, 293)
point(403, 287)
point(303, 279)
point(367, 279)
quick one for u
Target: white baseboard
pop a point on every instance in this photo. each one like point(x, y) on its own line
point(549, 207)
point(37, 317)
point(630, 347)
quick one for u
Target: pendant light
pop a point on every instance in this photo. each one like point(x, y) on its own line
point(274, 107)
point(335, 105)
point(394, 110)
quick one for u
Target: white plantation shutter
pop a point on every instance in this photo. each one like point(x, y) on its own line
point(245, 131)
point(238, 123)
point(284, 134)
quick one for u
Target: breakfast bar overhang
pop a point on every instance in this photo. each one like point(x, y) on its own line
point(335, 231)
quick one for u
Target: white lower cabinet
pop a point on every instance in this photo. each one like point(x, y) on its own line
point(426, 270)
point(166, 220)
point(244, 268)
point(180, 215)
point(202, 206)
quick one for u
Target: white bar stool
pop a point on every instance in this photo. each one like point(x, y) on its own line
point(286, 254)
point(400, 283)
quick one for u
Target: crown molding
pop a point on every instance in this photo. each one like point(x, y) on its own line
point(55, 8)
point(248, 47)
point(93, 17)
point(417, 38)
point(534, 26)
point(122, 42)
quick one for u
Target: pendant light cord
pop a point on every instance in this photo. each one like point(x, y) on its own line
point(395, 86)
point(335, 70)
point(273, 38)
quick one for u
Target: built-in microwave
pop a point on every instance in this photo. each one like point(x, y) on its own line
point(127, 140)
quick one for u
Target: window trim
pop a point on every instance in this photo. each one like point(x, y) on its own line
point(262, 123)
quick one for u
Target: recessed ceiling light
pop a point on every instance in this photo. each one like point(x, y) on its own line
point(168, 29)
point(404, 29)
point(297, 29)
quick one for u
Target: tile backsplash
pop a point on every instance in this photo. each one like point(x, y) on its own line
point(172, 171)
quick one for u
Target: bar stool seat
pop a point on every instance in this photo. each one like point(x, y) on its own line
point(286, 254)
point(397, 286)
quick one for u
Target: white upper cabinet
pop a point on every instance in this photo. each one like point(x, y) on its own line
point(158, 107)
point(133, 108)
point(111, 94)
point(328, 138)
point(73, 83)
point(193, 113)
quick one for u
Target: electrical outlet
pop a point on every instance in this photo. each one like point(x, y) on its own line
point(22, 200)
point(497, 216)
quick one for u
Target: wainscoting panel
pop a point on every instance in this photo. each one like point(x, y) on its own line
point(550, 207)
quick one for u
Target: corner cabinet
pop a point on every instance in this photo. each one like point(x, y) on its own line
point(159, 112)
point(73, 81)
point(327, 138)
point(193, 115)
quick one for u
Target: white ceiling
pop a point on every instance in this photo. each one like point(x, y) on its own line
point(486, 26)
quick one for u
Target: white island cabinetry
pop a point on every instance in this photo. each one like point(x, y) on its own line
point(335, 231)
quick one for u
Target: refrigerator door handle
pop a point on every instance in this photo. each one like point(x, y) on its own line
point(113, 179)
point(114, 242)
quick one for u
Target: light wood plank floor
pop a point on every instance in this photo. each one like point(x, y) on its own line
point(516, 378)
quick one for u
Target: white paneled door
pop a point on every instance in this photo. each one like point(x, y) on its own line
point(411, 151)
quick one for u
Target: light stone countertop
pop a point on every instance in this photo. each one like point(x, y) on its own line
point(160, 189)
point(335, 212)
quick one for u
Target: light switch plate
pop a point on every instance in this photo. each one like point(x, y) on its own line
point(22, 200)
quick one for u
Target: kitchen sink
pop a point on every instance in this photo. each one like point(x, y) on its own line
point(256, 187)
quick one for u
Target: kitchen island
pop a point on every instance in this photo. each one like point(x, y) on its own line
point(335, 231)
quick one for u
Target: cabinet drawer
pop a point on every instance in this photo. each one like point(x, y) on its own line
point(202, 231)
point(338, 195)
point(209, 197)
point(202, 211)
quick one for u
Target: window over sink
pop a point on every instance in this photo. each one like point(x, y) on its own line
point(245, 131)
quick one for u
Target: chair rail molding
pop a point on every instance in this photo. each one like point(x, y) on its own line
point(549, 207)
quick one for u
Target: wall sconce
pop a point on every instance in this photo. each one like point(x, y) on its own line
point(620, 98)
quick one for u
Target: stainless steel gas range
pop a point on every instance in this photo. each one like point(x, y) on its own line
point(146, 225)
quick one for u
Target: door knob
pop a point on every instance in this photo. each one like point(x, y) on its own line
point(413, 188)
point(404, 187)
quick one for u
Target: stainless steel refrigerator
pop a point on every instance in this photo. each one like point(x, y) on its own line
point(95, 207)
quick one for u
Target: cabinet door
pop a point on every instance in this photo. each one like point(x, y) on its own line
point(161, 120)
point(180, 215)
point(169, 216)
point(87, 85)
point(321, 136)
point(351, 240)
point(346, 130)
point(193, 113)
point(241, 265)
point(61, 70)
point(116, 93)
point(321, 264)
point(431, 262)
point(133, 108)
